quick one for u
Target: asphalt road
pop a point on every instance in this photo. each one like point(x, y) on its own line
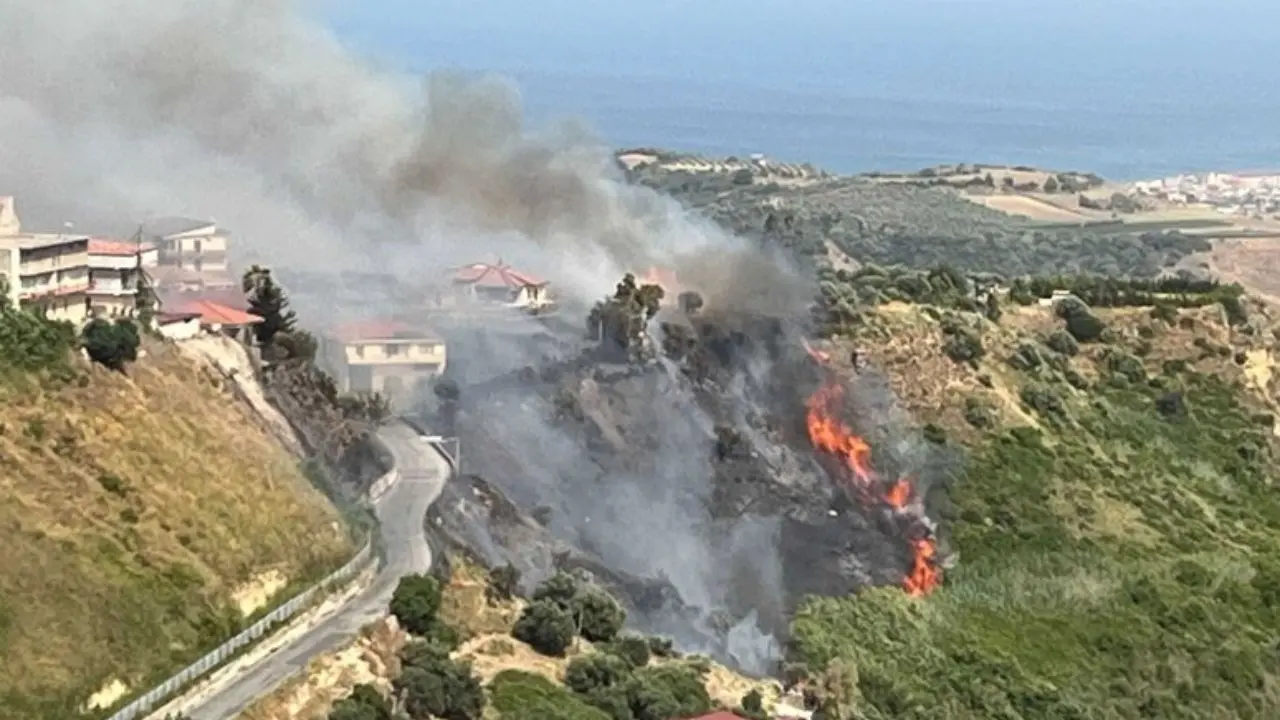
point(401, 511)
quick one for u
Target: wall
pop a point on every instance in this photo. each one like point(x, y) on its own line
point(162, 692)
point(395, 352)
point(184, 330)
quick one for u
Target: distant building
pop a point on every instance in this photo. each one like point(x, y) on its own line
point(498, 285)
point(214, 317)
point(47, 272)
point(115, 269)
point(384, 356)
point(192, 254)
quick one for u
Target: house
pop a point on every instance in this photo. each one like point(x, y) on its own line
point(198, 245)
point(214, 317)
point(48, 272)
point(115, 270)
point(499, 285)
point(383, 356)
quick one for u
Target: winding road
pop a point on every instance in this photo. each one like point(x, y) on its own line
point(401, 511)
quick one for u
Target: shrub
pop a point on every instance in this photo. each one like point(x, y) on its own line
point(559, 589)
point(504, 583)
point(599, 617)
point(1085, 327)
point(1061, 341)
point(546, 627)
point(111, 345)
point(668, 691)
point(588, 673)
point(449, 691)
point(519, 695)
point(632, 648)
point(415, 602)
point(752, 706)
point(661, 647)
point(364, 703)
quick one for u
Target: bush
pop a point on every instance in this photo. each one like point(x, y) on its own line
point(546, 627)
point(432, 685)
point(31, 343)
point(632, 648)
point(112, 345)
point(668, 691)
point(364, 703)
point(415, 602)
point(588, 673)
point(599, 617)
point(504, 583)
point(519, 695)
point(1085, 327)
point(559, 589)
point(1061, 341)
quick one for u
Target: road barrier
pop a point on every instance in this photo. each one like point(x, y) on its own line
point(230, 648)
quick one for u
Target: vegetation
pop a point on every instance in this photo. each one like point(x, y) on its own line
point(111, 344)
point(364, 703)
point(146, 518)
point(431, 685)
point(908, 224)
point(546, 627)
point(618, 322)
point(519, 695)
point(1117, 530)
point(415, 602)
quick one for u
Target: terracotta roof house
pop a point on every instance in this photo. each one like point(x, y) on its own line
point(383, 356)
point(214, 316)
point(500, 284)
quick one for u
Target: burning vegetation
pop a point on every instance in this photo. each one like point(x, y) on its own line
point(829, 434)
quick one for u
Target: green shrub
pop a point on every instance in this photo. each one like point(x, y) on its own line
point(559, 589)
point(364, 703)
point(415, 602)
point(111, 344)
point(599, 616)
point(634, 649)
point(546, 627)
point(432, 685)
point(1061, 341)
point(588, 673)
point(518, 695)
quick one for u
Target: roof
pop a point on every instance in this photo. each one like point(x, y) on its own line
point(120, 248)
point(213, 313)
point(169, 226)
point(499, 275)
point(35, 241)
point(373, 330)
point(165, 318)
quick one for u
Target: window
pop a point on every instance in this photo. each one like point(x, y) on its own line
point(360, 351)
point(393, 350)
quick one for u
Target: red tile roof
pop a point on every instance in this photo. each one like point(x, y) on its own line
point(499, 275)
point(213, 313)
point(371, 330)
point(120, 248)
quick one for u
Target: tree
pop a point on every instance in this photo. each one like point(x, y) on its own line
point(268, 301)
point(992, 310)
point(620, 321)
point(364, 703)
point(752, 706)
point(415, 602)
point(599, 617)
point(449, 691)
point(588, 673)
point(546, 627)
point(559, 589)
point(111, 344)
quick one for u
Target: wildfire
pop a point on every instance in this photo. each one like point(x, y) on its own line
point(831, 435)
point(662, 277)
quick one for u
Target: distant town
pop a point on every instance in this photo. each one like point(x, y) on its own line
point(1254, 195)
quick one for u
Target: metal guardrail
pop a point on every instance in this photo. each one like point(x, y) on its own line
point(230, 648)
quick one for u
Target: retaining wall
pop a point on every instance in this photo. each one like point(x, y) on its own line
point(165, 690)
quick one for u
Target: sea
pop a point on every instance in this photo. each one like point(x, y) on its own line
point(1129, 89)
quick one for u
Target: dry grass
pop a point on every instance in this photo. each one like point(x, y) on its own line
point(1031, 207)
point(133, 508)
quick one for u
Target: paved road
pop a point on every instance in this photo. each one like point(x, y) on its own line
point(401, 511)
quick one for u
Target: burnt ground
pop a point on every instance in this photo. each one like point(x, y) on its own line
point(688, 478)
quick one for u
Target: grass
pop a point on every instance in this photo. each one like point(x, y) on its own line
point(133, 508)
point(1114, 561)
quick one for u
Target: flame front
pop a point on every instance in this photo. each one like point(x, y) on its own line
point(829, 434)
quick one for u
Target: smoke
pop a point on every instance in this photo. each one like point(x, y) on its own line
point(116, 111)
point(244, 111)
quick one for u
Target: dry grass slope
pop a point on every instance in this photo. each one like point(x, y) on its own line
point(133, 509)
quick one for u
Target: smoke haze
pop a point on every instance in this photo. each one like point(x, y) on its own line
point(247, 112)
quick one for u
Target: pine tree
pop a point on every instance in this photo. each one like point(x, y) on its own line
point(268, 301)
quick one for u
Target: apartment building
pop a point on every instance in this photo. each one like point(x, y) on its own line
point(382, 356)
point(191, 253)
point(116, 269)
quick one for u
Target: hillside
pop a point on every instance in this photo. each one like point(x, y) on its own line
point(146, 515)
point(1115, 527)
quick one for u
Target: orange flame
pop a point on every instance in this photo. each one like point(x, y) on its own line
point(831, 435)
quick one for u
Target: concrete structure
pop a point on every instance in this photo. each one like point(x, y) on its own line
point(385, 357)
point(185, 243)
point(178, 325)
point(115, 273)
point(499, 285)
point(47, 272)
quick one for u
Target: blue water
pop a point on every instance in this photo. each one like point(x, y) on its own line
point(1125, 88)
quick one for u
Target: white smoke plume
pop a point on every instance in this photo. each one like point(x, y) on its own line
point(247, 112)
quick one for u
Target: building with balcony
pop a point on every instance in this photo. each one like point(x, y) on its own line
point(116, 268)
point(386, 357)
point(47, 273)
point(199, 246)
